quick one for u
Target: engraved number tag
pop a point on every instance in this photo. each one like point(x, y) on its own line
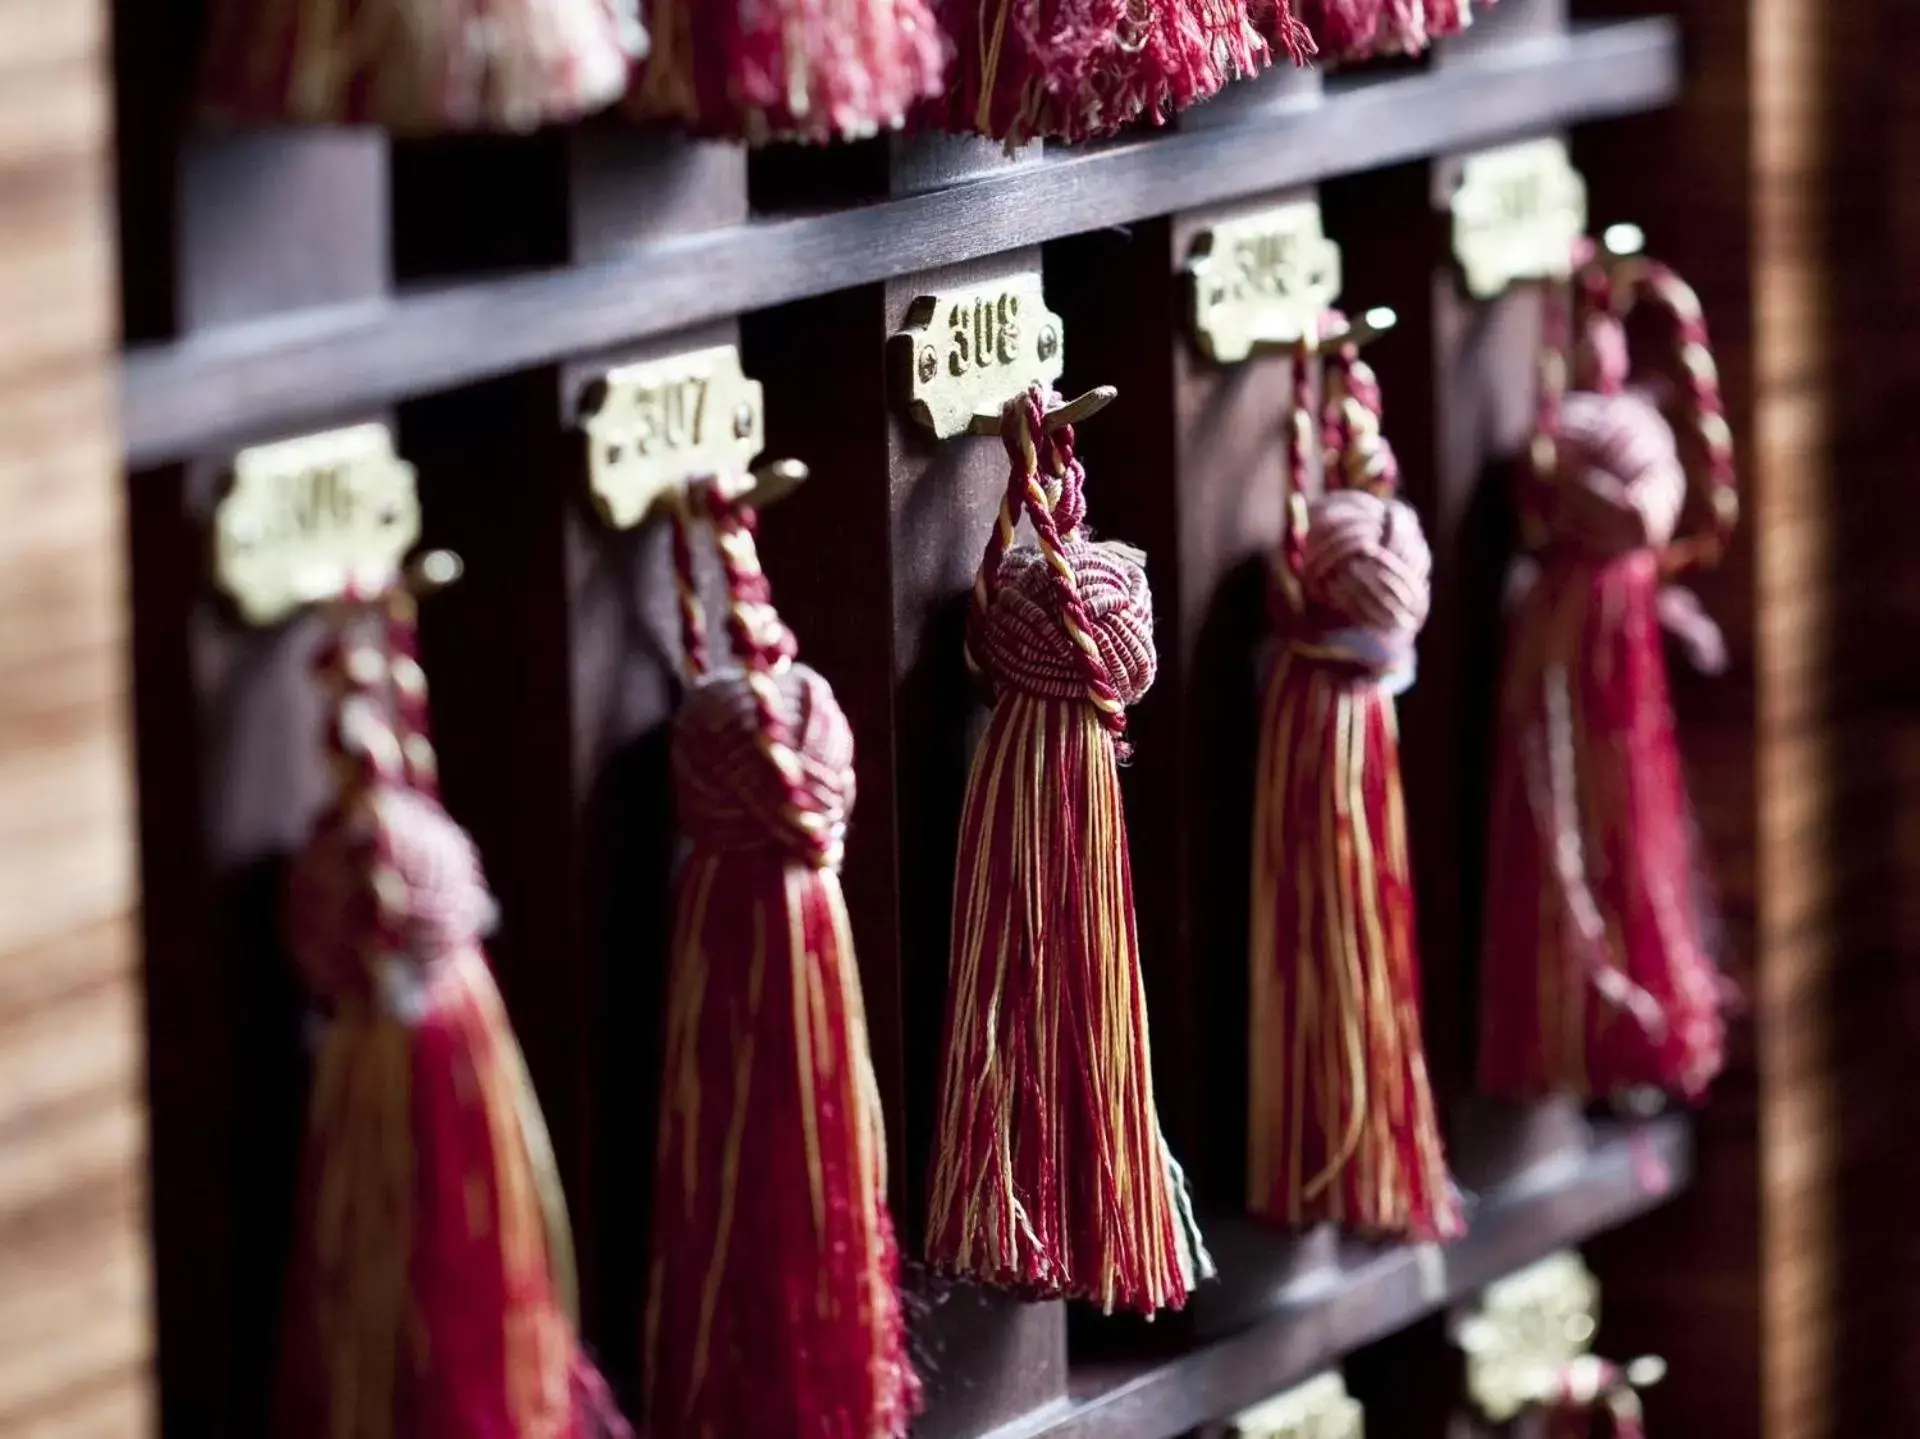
point(307, 520)
point(1526, 1329)
point(965, 353)
point(658, 426)
point(1318, 1409)
point(1261, 280)
point(1516, 214)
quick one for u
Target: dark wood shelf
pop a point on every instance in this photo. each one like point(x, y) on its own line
point(1367, 1293)
point(264, 376)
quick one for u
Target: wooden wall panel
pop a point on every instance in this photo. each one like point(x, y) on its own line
point(74, 1329)
point(1786, 193)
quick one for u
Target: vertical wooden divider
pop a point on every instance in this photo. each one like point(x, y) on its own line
point(227, 746)
point(1189, 464)
point(871, 563)
point(555, 666)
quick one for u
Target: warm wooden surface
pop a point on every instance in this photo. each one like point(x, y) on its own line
point(1836, 246)
point(1788, 197)
point(74, 1338)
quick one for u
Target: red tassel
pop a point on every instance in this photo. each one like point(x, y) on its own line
point(431, 1291)
point(1350, 30)
point(813, 70)
point(1082, 69)
point(418, 66)
point(1050, 1176)
point(1595, 973)
point(1342, 1123)
point(775, 1307)
point(1344, 29)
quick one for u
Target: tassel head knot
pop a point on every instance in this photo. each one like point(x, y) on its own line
point(1025, 643)
point(1621, 482)
point(738, 793)
point(1366, 565)
point(387, 891)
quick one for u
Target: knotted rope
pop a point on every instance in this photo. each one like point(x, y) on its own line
point(1066, 618)
point(389, 888)
point(1353, 577)
point(763, 756)
point(1601, 302)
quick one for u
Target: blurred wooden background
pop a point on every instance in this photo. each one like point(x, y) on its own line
point(74, 1330)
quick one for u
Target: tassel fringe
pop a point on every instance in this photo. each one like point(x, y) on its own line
point(1342, 1123)
point(773, 1165)
point(1051, 1177)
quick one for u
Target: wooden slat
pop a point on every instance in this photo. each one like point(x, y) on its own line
point(75, 1333)
point(1625, 1171)
point(278, 372)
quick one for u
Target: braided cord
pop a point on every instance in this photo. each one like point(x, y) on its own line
point(366, 753)
point(409, 680)
point(1649, 282)
point(766, 649)
point(1567, 306)
point(1024, 427)
point(986, 579)
point(1285, 597)
point(1357, 456)
point(686, 590)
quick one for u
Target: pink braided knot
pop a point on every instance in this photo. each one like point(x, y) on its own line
point(762, 755)
point(1025, 647)
point(386, 890)
point(733, 796)
point(1065, 618)
point(1366, 565)
point(1621, 483)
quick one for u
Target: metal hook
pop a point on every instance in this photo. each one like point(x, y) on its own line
point(1069, 412)
point(1359, 333)
point(773, 482)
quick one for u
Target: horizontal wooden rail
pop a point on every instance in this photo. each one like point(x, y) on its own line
point(264, 376)
point(1628, 1169)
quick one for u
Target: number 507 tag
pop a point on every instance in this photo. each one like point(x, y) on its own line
point(657, 427)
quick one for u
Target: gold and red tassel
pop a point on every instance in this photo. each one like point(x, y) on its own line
point(1051, 1176)
point(1083, 69)
point(1341, 1116)
point(1596, 972)
point(775, 1307)
point(418, 66)
point(1351, 30)
point(431, 1292)
point(811, 70)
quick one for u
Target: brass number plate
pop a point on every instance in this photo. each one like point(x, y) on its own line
point(1527, 1328)
point(965, 353)
point(1516, 214)
point(308, 519)
point(656, 427)
point(1318, 1409)
point(1261, 280)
